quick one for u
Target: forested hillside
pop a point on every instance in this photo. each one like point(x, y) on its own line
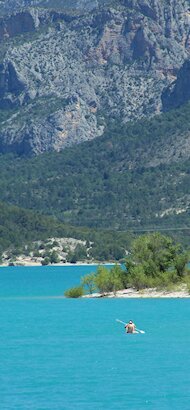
point(19, 226)
point(20, 229)
point(133, 177)
point(9, 5)
point(76, 76)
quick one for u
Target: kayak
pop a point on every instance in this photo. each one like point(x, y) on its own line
point(128, 333)
point(136, 331)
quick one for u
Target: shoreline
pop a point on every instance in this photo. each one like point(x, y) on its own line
point(130, 293)
point(26, 264)
point(149, 293)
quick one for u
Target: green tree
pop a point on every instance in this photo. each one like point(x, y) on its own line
point(45, 261)
point(78, 254)
point(102, 280)
point(180, 263)
point(155, 260)
point(54, 257)
point(80, 251)
point(116, 278)
point(72, 257)
point(154, 252)
point(137, 278)
point(88, 281)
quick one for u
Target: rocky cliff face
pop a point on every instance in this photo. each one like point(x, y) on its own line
point(63, 74)
point(17, 24)
point(178, 92)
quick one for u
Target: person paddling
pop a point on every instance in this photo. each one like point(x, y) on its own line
point(130, 327)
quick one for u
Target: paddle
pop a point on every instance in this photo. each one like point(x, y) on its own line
point(138, 330)
point(117, 320)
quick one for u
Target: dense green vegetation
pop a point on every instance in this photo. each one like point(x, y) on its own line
point(102, 184)
point(19, 227)
point(111, 182)
point(155, 261)
point(75, 292)
point(63, 6)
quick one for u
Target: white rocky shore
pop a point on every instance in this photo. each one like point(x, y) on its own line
point(24, 261)
point(181, 292)
point(35, 257)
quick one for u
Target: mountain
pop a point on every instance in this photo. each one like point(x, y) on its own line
point(135, 177)
point(178, 92)
point(68, 67)
point(9, 5)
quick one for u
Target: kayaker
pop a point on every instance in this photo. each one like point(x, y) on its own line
point(130, 327)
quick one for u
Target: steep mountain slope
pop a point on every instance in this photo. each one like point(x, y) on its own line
point(9, 5)
point(178, 93)
point(64, 73)
point(135, 177)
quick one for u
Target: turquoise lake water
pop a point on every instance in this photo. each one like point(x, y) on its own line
point(72, 354)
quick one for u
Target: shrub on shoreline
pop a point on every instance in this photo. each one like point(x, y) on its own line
point(75, 292)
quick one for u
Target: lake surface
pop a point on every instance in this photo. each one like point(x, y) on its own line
point(70, 354)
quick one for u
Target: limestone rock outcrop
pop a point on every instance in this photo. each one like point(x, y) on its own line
point(64, 73)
